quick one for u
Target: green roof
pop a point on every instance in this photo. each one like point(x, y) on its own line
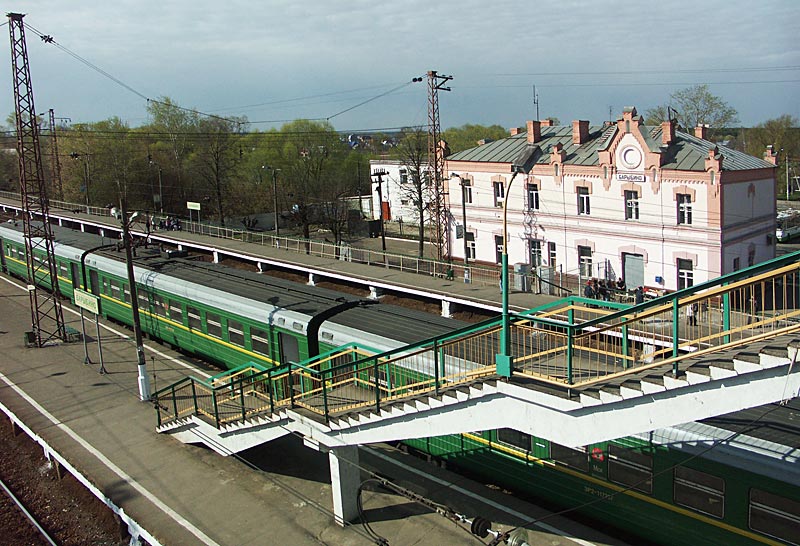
point(685, 153)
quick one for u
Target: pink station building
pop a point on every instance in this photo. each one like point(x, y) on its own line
point(651, 204)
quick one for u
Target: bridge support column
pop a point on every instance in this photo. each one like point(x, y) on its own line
point(312, 279)
point(216, 256)
point(260, 267)
point(446, 312)
point(375, 292)
point(345, 479)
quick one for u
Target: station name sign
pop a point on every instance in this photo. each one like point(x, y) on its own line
point(86, 300)
point(630, 177)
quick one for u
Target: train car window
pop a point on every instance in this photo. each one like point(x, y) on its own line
point(213, 324)
point(175, 312)
point(514, 438)
point(260, 340)
point(126, 292)
point(106, 286)
point(194, 318)
point(160, 305)
point(63, 270)
point(631, 468)
point(775, 516)
point(236, 333)
point(577, 458)
point(116, 290)
point(699, 491)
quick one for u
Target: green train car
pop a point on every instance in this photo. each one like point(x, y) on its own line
point(730, 480)
point(226, 315)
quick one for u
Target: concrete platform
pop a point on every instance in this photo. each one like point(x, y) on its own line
point(181, 494)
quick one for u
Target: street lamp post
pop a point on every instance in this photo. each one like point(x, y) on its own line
point(504, 360)
point(274, 195)
point(379, 183)
point(76, 155)
point(144, 382)
point(464, 184)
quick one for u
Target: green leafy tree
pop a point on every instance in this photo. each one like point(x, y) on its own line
point(783, 134)
point(468, 136)
point(175, 132)
point(695, 106)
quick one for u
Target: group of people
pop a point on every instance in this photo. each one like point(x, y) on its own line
point(169, 224)
point(602, 289)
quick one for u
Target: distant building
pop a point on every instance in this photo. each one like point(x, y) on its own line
point(397, 192)
point(654, 205)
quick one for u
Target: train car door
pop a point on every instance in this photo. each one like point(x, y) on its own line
point(290, 349)
point(76, 276)
point(94, 282)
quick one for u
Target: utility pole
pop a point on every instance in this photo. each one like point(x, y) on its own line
point(787, 176)
point(40, 256)
point(144, 382)
point(380, 175)
point(436, 154)
point(536, 101)
point(57, 183)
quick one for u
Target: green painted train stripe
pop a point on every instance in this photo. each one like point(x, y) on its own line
point(622, 490)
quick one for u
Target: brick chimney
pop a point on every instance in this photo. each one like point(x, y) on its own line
point(667, 132)
point(534, 132)
point(546, 122)
point(771, 156)
point(700, 131)
point(514, 131)
point(580, 131)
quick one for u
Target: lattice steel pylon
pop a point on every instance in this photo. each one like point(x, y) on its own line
point(47, 318)
point(440, 208)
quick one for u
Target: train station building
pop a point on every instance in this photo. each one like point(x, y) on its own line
point(654, 205)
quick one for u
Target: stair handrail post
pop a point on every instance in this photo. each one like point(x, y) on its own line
point(216, 406)
point(194, 398)
point(325, 392)
point(175, 400)
point(436, 375)
point(271, 390)
point(675, 334)
point(726, 316)
point(241, 397)
point(377, 386)
point(291, 386)
point(570, 341)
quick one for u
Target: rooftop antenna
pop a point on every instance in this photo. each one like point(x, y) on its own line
point(536, 101)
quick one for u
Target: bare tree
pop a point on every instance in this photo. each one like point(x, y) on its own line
point(216, 157)
point(412, 151)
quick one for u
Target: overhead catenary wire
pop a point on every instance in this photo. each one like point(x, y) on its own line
point(50, 40)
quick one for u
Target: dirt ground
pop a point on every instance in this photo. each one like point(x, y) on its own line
point(63, 507)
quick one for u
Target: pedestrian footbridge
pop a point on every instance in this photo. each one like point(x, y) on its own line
point(583, 371)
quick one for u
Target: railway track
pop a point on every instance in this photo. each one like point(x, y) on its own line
point(24, 514)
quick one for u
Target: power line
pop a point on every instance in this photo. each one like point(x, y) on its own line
point(658, 71)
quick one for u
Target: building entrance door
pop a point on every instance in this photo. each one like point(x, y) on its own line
point(633, 268)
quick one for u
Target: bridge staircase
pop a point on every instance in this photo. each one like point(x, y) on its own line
point(584, 371)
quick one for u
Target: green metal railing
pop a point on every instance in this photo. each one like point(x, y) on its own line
point(573, 342)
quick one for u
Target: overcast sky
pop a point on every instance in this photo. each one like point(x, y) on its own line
point(284, 59)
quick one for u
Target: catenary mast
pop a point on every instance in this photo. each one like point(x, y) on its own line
point(47, 319)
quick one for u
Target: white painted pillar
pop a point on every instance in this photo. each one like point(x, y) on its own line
point(375, 292)
point(216, 256)
point(446, 309)
point(261, 267)
point(312, 279)
point(345, 479)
